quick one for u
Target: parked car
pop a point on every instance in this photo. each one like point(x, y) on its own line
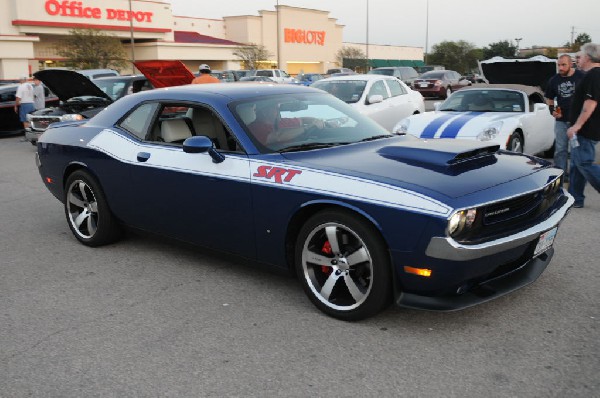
point(384, 99)
point(347, 71)
point(364, 217)
point(407, 74)
point(238, 74)
point(280, 76)
point(97, 73)
point(306, 79)
point(263, 79)
point(226, 76)
point(120, 86)
point(9, 119)
point(428, 68)
point(439, 83)
point(516, 118)
point(475, 78)
point(79, 99)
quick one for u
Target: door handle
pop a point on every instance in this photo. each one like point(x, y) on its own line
point(143, 156)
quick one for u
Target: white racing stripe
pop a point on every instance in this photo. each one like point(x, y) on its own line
point(279, 175)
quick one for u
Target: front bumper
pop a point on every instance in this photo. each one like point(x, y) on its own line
point(448, 249)
point(467, 275)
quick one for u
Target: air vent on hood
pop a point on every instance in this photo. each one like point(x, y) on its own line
point(476, 153)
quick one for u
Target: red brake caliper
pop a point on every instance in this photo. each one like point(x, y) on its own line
point(326, 250)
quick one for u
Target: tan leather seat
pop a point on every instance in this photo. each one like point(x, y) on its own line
point(205, 123)
point(174, 131)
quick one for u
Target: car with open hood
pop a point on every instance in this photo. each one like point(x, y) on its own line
point(534, 71)
point(363, 217)
point(79, 97)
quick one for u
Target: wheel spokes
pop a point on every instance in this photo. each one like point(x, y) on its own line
point(329, 285)
point(359, 256)
point(331, 233)
point(74, 200)
point(355, 292)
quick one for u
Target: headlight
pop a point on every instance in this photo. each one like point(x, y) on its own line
point(461, 221)
point(490, 132)
point(401, 127)
point(70, 117)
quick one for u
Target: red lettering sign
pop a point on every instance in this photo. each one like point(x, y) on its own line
point(68, 8)
point(304, 36)
point(279, 174)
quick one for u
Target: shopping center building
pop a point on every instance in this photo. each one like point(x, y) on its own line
point(298, 39)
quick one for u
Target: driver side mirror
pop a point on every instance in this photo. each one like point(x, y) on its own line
point(201, 144)
point(540, 107)
point(374, 99)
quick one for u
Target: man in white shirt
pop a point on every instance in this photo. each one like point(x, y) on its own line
point(39, 97)
point(24, 101)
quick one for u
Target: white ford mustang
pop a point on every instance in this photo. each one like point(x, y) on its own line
point(513, 116)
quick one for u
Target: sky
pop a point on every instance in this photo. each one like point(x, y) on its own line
point(404, 22)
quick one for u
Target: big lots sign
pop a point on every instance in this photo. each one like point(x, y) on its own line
point(302, 36)
point(76, 9)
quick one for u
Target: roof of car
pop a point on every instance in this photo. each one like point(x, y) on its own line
point(359, 77)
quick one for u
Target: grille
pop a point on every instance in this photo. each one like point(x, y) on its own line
point(41, 123)
point(512, 208)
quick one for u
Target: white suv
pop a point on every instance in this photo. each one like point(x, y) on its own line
point(280, 76)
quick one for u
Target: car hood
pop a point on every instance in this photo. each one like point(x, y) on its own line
point(440, 124)
point(165, 73)
point(436, 168)
point(67, 84)
point(534, 71)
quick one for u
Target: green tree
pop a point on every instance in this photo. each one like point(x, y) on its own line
point(460, 56)
point(349, 53)
point(92, 49)
point(581, 39)
point(252, 55)
point(503, 48)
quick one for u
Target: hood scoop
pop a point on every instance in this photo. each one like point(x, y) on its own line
point(440, 153)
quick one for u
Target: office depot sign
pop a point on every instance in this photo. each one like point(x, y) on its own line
point(77, 9)
point(304, 36)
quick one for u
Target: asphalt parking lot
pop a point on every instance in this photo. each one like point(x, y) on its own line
point(150, 317)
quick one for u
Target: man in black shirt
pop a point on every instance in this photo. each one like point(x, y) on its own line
point(561, 87)
point(585, 124)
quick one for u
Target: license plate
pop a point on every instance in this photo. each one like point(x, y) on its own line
point(423, 84)
point(545, 241)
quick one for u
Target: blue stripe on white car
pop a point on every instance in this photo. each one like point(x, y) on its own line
point(239, 168)
point(452, 129)
point(433, 126)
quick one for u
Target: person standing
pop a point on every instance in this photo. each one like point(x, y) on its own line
point(39, 97)
point(585, 124)
point(24, 101)
point(562, 86)
point(205, 76)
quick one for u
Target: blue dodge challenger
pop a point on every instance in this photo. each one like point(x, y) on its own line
point(293, 177)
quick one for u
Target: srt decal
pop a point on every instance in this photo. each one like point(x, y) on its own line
point(276, 173)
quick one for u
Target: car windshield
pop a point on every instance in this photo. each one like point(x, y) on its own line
point(298, 122)
point(484, 101)
point(115, 89)
point(349, 91)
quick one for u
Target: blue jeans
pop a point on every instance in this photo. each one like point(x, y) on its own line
point(583, 169)
point(561, 145)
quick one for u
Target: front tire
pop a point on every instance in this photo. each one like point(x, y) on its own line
point(343, 265)
point(87, 211)
point(516, 142)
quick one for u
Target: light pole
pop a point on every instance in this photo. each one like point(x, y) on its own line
point(131, 39)
point(518, 40)
point(278, 41)
point(426, 32)
point(367, 44)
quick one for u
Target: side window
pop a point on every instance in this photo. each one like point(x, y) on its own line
point(138, 121)
point(395, 88)
point(378, 88)
point(8, 96)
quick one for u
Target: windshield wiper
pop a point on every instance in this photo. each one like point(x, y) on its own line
point(306, 147)
point(376, 137)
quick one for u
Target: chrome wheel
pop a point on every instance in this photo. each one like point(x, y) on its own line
point(87, 211)
point(343, 265)
point(82, 209)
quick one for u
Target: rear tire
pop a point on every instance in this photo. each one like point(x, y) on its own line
point(343, 265)
point(87, 211)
